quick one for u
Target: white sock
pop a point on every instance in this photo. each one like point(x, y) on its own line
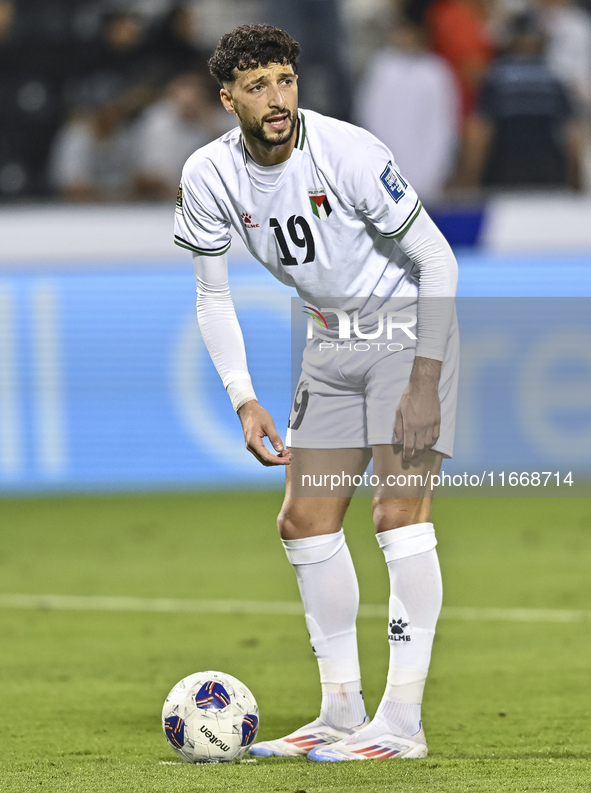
point(330, 594)
point(415, 603)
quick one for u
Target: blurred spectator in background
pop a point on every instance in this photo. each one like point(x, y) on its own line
point(323, 68)
point(409, 99)
point(119, 57)
point(92, 157)
point(461, 34)
point(79, 58)
point(525, 134)
point(31, 73)
point(173, 43)
point(367, 23)
point(169, 131)
point(568, 33)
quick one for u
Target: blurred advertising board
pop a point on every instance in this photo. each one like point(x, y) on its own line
point(105, 382)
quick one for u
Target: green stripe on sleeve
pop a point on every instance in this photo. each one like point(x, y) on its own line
point(407, 223)
point(202, 252)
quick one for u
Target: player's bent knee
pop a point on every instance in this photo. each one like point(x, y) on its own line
point(395, 513)
point(297, 520)
point(288, 529)
point(293, 525)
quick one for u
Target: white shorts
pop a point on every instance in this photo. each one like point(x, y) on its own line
point(347, 394)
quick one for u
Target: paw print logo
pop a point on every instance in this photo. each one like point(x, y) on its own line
point(397, 628)
point(246, 218)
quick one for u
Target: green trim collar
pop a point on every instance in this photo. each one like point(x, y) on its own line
point(301, 131)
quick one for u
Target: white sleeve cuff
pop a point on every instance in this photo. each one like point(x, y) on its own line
point(240, 392)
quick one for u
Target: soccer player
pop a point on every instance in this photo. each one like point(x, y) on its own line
point(321, 205)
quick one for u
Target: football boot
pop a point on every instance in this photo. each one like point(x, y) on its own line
point(297, 744)
point(385, 746)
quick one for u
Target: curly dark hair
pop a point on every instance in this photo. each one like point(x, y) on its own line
point(250, 46)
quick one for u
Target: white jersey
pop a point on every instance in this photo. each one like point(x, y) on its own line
point(327, 226)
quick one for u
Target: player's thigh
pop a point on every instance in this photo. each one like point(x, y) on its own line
point(309, 510)
point(404, 495)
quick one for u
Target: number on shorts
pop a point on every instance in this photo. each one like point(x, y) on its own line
point(299, 407)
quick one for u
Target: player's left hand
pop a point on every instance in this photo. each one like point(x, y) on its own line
point(418, 416)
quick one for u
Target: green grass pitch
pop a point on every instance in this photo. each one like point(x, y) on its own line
point(507, 704)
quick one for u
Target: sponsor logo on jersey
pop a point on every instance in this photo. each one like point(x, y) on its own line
point(248, 221)
point(393, 182)
point(319, 202)
point(179, 201)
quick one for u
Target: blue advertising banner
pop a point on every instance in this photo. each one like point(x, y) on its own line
point(105, 382)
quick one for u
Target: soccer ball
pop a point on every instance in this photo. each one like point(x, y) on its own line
point(210, 717)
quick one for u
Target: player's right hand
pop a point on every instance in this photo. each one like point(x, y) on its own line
point(258, 424)
point(418, 416)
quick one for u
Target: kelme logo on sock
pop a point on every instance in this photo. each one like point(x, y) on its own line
point(396, 632)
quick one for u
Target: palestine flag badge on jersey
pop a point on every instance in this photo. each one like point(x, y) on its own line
point(320, 206)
